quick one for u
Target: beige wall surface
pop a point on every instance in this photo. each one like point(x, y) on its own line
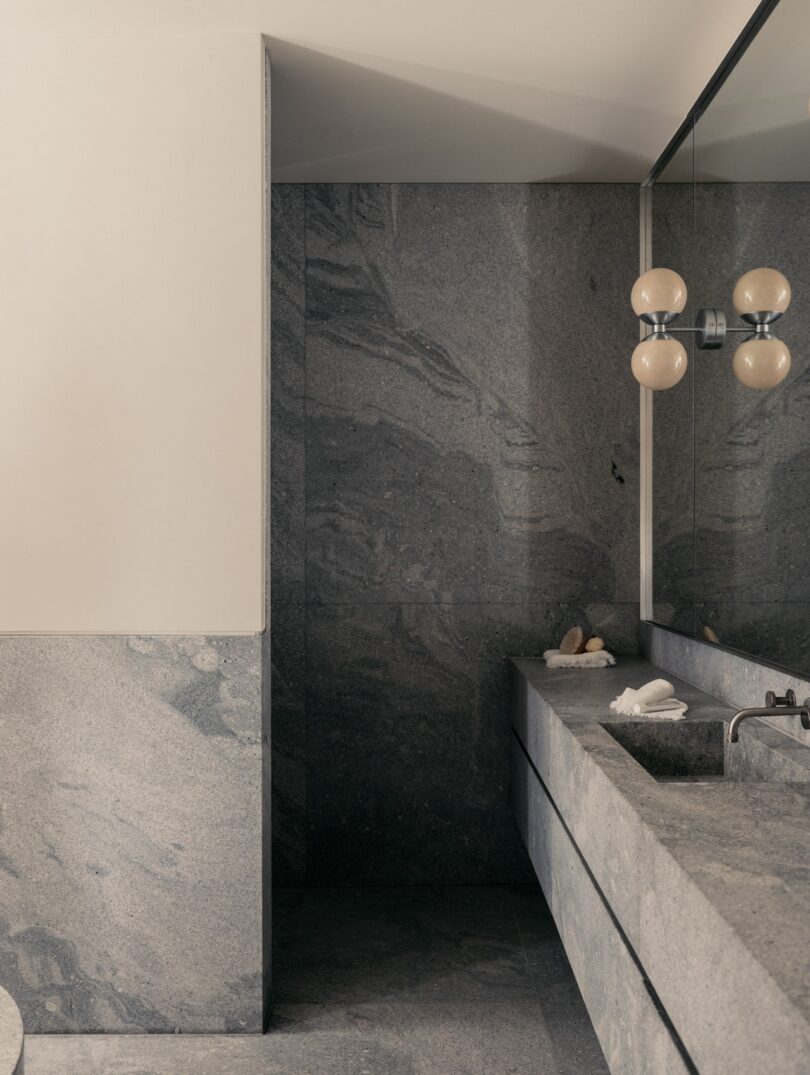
point(131, 340)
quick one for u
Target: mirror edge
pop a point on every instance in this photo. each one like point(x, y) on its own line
point(761, 13)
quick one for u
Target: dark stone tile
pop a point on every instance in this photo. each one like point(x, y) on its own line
point(370, 1039)
point(576, 1047)
point(462, 444)
point(408, 733)
point(288, 744)
point(506, 1036)
point(287, 904)
point(287, 408)
point(286, 568)
point(405, 945)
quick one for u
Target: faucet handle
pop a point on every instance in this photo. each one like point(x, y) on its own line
point(772, 699)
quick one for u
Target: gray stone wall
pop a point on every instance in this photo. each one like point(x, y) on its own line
point(454, 466)
point(130, 845)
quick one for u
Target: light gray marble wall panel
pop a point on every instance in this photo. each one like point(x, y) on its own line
point(131, 832)
point(703, 879)
point(11, 1035)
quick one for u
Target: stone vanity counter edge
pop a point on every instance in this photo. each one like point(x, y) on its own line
point(709, 883)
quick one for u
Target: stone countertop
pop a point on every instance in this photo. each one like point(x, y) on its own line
point(11, 1034)
point(746, 846)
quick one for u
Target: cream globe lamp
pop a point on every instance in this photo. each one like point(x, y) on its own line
point(658, 296)
point(761, 296)
point(761, 361)
point(659, 362)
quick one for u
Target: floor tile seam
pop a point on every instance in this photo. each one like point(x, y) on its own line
point(477, 1004)
point(451, 603)
point(535, 986)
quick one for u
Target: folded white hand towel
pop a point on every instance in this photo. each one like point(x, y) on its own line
point(654, 697)
point(670, 708)
point(598, 659)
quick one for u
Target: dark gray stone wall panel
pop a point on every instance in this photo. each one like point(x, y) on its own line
point(471, 489)
point(471, 427)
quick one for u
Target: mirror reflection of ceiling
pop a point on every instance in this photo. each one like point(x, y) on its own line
point(449, 90)
point(757, 129)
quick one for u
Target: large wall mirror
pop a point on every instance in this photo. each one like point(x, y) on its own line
point(731, 464)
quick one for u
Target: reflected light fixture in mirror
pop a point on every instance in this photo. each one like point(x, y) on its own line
point(659, 361)
point(760, 298)
point(761, 362)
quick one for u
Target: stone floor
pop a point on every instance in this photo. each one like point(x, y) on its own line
point(408, 981)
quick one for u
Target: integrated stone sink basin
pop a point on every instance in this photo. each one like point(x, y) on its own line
point(687, 751)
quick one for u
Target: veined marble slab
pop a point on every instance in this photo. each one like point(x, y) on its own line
point(130, 847)
point(470, 437)
point(709, 881)
point(455, 472)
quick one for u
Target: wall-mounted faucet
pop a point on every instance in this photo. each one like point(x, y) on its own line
point(775, 706)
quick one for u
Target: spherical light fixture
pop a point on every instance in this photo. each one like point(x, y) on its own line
point(658, 296)
point(659, 362)
point(761, 296)
point(761, 362)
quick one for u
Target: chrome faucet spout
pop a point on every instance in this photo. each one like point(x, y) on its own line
point(775, 707)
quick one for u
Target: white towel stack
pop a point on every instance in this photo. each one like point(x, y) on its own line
point(599, 659)
point(654, 699)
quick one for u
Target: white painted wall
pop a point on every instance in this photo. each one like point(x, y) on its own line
point(131, 332)
point(454, 91)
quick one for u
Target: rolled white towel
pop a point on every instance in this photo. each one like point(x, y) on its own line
point(633, 702)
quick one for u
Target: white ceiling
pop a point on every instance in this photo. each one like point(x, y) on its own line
point(758, 126)
point(455, 90)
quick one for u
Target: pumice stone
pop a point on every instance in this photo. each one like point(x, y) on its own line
point(573, 641)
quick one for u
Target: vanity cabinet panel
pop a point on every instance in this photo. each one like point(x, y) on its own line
point(633, 1036)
